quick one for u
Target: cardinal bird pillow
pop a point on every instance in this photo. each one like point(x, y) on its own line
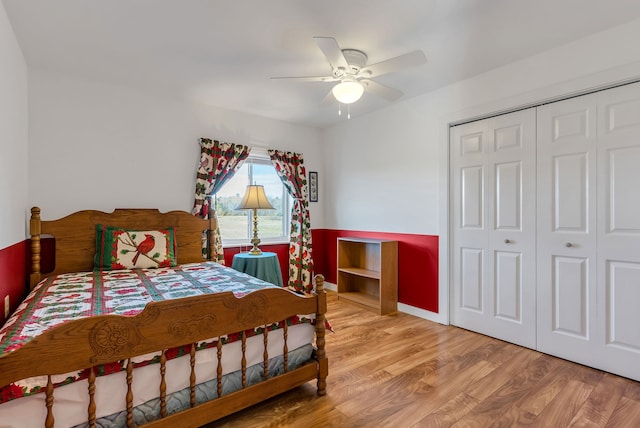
point(134, 249)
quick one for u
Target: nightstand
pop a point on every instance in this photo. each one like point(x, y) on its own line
point(264, 266)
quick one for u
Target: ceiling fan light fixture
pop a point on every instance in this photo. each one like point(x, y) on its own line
point(348, 91)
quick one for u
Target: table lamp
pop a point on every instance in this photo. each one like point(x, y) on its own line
point(255, 199)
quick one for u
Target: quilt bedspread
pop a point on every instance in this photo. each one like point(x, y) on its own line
point(66, 297)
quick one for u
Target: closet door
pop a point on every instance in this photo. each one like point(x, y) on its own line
point(589, 230)
point(493, 227)
point(618, 248)
point(567, 293)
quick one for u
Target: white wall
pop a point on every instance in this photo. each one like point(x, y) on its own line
point(390, 173)
point(13, 136)
point(102, 146)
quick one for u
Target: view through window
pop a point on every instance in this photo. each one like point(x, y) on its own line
point(236, 226)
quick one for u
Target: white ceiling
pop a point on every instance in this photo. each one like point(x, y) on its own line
point(223, 52)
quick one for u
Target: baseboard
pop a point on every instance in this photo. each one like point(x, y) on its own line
point(330, 286)
point(422, 313)
point(407, 309)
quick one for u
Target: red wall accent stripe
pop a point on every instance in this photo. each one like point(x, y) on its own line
point(417, 263)
point(13, 275)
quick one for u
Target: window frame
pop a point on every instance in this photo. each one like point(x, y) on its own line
point(287, 202)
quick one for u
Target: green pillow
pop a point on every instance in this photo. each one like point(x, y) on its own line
point(118, 248)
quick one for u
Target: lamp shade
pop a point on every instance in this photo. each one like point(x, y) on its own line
point(348, 91)
point(255, 197)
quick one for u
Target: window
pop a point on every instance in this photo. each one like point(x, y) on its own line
point(236, 226)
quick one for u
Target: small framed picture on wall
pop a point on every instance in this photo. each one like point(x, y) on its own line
point(313, 186)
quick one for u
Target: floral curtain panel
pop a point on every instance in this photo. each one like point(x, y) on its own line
point(291, 170)
point(219, 162)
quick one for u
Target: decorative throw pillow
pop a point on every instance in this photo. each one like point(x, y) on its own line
point(118, 248)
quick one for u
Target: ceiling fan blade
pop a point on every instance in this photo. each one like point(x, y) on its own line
point(308, 78)
point(332, 52)
point(398, 63)
point(381, 90)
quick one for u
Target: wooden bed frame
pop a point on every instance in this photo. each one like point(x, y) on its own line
point(161, 325)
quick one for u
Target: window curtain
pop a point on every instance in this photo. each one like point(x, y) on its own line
point(290, 168)
point(219, 162)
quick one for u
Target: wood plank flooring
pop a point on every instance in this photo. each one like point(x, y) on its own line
point(403, 371)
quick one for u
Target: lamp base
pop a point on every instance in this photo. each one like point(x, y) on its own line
point(255, 251)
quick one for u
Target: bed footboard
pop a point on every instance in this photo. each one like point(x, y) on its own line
point(164, 325)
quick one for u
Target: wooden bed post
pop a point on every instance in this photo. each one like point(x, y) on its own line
point(35, 230)
point(321, 353)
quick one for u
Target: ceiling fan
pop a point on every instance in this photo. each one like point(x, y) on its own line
point(350, 69)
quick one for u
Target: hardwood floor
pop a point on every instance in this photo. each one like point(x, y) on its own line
point(403, 371)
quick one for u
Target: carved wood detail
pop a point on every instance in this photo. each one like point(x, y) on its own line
point(250, 309)
point(113, 337)
point(195, 325)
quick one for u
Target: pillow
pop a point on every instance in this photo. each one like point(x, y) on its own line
point(118, 248)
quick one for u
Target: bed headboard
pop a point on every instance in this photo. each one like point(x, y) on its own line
point(75, 235)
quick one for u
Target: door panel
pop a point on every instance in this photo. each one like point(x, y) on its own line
point(566, 239)
point(467, 147)
point(493, 205)
point(570, 196)
point(624, 197)
point(571, 125)
point(619, 229)
point(623, 317)
point(507, 137)
point(620, 116)
point(508, 198)
point(511, 238)
point(570, 297)
point(589, 253)
point(508, 284)
point(471, 276)
point(472, 206)
point(472, 143)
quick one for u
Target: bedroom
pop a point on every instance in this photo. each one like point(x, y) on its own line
point(81, 122)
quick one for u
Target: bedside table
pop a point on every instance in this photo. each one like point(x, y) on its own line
point(264, 266)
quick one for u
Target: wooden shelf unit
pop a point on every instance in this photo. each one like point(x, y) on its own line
point(368, 273)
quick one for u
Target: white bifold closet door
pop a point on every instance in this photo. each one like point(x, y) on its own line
point(589, 230)
point(545, 228)
point(493, 226)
